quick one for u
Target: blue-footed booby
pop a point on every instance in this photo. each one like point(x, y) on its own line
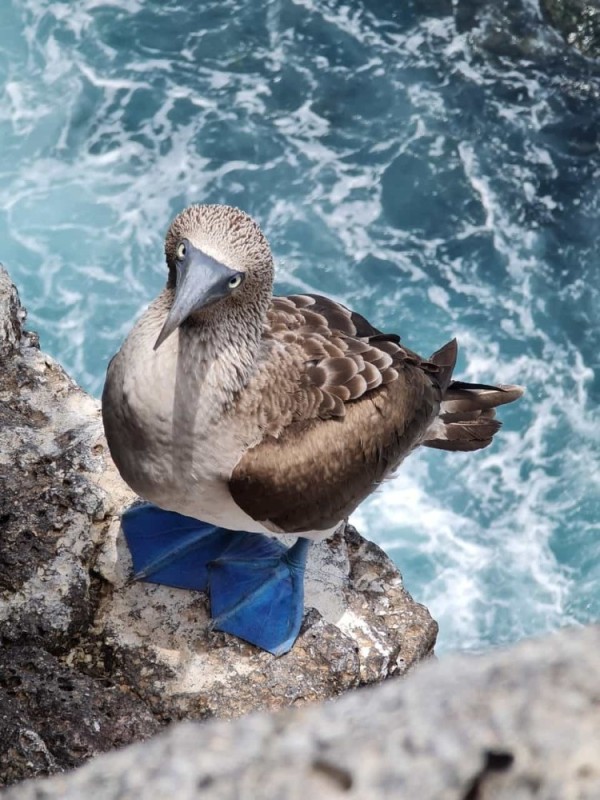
point(237, 415)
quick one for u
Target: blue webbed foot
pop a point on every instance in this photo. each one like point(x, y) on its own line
point(171, 549)
point(255, 583)
point(257, 591)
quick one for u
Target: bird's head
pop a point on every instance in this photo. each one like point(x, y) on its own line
point(218, 258)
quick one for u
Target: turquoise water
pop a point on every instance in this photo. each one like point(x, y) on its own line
point(435, 167)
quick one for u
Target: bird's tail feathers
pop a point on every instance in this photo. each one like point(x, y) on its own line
point(466, 420)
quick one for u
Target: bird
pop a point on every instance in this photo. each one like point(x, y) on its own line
point(238, 415)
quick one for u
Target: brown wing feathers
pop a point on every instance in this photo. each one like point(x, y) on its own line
point(375, 404)
point(346, 357)
point(318, 471)
point(375, 401)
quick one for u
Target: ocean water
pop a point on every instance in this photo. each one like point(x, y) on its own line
point(434, 165)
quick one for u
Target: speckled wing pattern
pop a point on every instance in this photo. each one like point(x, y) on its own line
point(346, 357)
point(369, 403)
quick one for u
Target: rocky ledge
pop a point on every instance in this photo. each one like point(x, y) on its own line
point(91, 661)
point(523, 724)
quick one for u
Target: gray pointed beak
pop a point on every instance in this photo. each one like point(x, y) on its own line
point(201, 281)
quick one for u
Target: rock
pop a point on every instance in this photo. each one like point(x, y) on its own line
point(513, 30)
point(53, 717)
point(578, 21)
point(91, 661)
point(501, 31)
point(512, 725)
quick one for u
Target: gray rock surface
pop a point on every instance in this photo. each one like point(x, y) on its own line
point(496, 31)
point(521, 29)
point(512, 725)
point(90, 661)
point(578, 21)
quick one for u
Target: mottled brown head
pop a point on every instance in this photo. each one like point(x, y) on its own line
point(228, 235)
point(218, 259)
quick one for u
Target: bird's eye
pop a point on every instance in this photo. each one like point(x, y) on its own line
point(181, 250)
point(235, 281)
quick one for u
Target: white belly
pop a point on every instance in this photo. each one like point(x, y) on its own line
point(209, 501)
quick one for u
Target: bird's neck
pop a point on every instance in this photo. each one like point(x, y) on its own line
point(222, 350)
